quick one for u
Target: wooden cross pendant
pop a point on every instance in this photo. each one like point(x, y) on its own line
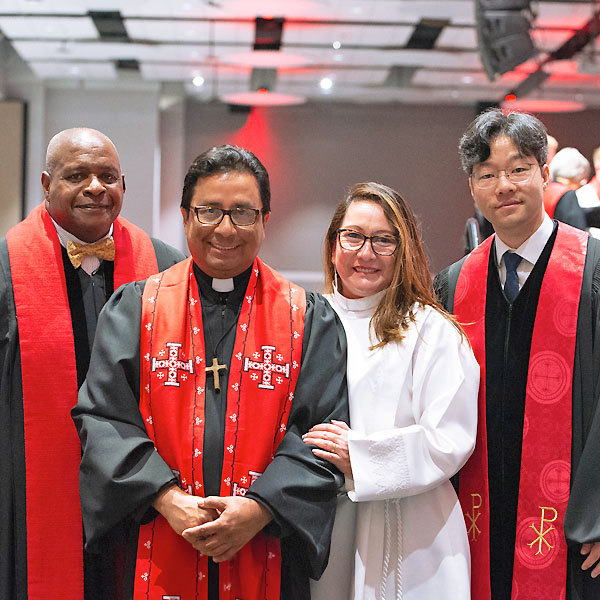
point(214, 369)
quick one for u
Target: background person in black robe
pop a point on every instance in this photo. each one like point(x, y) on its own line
point(123, 479)
point(508, 330)
point(92, 157)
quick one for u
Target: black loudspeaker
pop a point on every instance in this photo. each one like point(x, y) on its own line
point(503, 34)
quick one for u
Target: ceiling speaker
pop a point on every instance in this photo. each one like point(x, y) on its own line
point(503, 36)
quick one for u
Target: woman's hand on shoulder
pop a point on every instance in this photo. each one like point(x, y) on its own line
point(331, 441)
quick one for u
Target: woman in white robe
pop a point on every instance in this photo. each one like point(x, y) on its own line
point(413, 382)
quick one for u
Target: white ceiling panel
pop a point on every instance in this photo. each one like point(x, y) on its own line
point(167, 30)
point(458, 37)
point(48, 27)
point(74, 70)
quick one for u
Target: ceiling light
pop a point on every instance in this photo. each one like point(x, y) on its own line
point(543, 105)
point(266, 59)
point(263, 98)
point(337, 45)
point(198, 80)
point(326, 83)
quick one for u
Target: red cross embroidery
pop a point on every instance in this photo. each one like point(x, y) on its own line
point(268, 367)
point(173, 364)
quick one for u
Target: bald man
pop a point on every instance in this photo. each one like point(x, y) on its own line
point(57, 269)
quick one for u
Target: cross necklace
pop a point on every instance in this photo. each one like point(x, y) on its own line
point(216, 367)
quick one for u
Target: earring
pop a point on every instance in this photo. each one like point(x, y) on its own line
point(336, 277)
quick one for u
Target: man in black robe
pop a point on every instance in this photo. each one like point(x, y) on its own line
point(505, 158)
point(124, 480)
point(83, 188)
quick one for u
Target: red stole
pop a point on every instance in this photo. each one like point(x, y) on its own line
point(52, 448)
point(262, 377)
point(540, 563)
point(552, 194)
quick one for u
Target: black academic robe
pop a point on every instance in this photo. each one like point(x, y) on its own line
point(121, 473)
point(507, 347)
point(13, 537)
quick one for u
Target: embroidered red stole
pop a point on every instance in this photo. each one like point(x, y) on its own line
point(552, 194)
point(262, 377)
point(52, 448)
point(539, 570)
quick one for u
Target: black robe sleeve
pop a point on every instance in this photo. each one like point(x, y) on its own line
point(13, 566)
point(582, 519)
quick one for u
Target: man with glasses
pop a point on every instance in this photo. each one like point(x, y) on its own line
point(528, 300)
point(203, 381)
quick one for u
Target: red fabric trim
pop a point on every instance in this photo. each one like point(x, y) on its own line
point(540, 553)
point(52, 448)
point(552, 194)
point(269, 331)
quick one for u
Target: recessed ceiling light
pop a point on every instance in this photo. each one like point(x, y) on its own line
point(542, 105)
point(198, 80)
point(336, 45)
point(266, 59)
point(263, 98)
point(326, 83)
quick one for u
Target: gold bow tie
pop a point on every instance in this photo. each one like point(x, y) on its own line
point(102, 249)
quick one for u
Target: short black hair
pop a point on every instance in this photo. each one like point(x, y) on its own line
point(225, 159)
point(526, 132)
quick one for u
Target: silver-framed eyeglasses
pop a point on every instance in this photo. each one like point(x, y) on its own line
point(384, 245)
point(519, 173)
point(213, 215)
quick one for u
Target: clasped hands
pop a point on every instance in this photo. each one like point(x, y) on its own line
point(217, 526)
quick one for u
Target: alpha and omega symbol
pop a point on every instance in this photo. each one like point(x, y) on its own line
point(268, 367)
point(475, 513)
point(173, 364)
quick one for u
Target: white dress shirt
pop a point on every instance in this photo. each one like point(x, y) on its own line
point(530, 250)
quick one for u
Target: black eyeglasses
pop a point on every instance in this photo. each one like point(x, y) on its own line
point(384, 245)
point(213, 215)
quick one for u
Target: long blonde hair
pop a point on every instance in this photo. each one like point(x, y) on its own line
point(411, 280)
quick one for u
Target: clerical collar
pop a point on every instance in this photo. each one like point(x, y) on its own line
point(358, 305)
point(213, 287)
point(222, 285)
point(89, 263)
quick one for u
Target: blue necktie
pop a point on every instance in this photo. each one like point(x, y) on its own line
point(511, 286)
